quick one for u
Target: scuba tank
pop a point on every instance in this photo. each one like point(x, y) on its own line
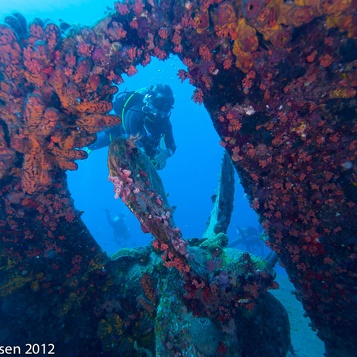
point(124, 101)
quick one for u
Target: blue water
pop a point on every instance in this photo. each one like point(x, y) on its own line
point(191, 175)
point(84, 12)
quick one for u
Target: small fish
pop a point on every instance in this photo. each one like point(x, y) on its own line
point(108, 10)
point(18, 23)
point(64, 26)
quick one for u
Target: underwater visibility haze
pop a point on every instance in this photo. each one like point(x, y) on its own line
point(104, 254)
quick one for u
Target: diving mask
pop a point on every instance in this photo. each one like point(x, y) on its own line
point(156, 107)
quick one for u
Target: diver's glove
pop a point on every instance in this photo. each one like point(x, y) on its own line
point(160, 159)
point(87, 150)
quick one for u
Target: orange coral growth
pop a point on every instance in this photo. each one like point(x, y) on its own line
point(13, 105)
point(262, 15)
point(243, 59)
point(94, 107)
point(334, 7)
point(12, 72)
point(246, 43)
point(35, 169)
point(82, 71)
point(225, 20)
point(343, 92)
point(49, 120)
point(116, 31)
point(296, 15)
point(7, 156)
point(96, 122)
point(247, 37)
point(340, 14)
point(279, 38)
point(38, 121)
point(201, 21)
point(163, 32)
point(345, 22)
point(67, 92)
point(205, 53)
point(34, 108)
point(44, 131)
point(10, 54)
point(147, 286)
point(93, 83)
point(69, 155)
point(267, 17)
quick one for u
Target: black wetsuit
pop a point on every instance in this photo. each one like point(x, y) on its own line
point(150, 130)
point(121, 231)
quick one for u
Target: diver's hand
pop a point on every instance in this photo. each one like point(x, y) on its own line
point(160, 159)
point(87, 150)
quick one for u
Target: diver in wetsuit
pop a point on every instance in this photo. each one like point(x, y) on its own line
point(249, 239)
point(145, 113)
point(121, 231)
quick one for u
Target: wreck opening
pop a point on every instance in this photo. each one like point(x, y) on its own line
point(190, 177)
point(295, 152)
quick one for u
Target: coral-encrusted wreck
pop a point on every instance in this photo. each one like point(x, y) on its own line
point(279, 81)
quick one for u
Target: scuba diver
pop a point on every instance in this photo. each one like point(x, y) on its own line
point(145, 113)
point(249, 239)
point(121, 231)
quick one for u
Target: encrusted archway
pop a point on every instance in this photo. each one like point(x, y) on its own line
point(279, 81)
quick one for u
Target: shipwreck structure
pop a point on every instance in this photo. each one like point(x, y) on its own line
point(279, 82)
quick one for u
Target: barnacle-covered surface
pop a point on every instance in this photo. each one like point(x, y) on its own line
point(279, 81)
